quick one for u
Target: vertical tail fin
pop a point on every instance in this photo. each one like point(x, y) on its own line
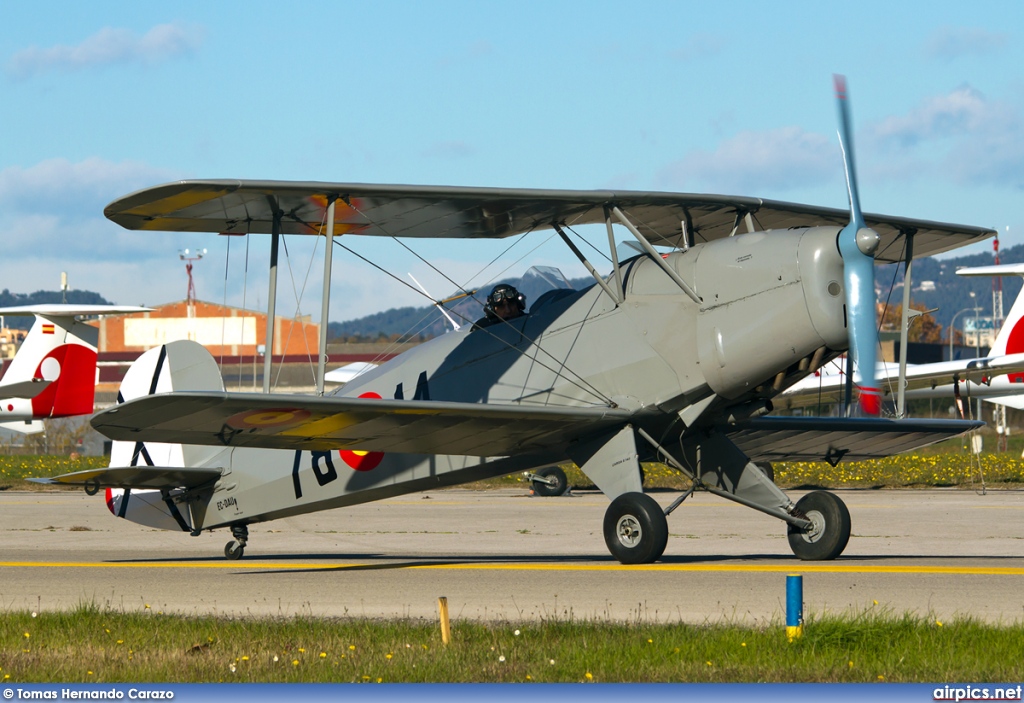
point(1011, 337)
point(54, 372)
point(62, 351)
point(175, 366)
point(180, 365)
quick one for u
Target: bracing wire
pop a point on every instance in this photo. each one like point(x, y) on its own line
point(582, 383)
point(255, 350)
point(885, 308)
point(224, 303)
point(298, 294)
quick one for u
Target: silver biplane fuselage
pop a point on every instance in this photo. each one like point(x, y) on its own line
point(770, 301)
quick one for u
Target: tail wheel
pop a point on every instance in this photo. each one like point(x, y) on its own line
point(635, 529)
point(830, 527)
point(233, 550)
point(557, 483)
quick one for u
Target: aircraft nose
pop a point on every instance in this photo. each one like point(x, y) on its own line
point(821, 274)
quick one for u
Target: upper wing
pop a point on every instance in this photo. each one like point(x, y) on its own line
point(829, 386)
point(322, 424)
point(232, 206)
point(835, 439)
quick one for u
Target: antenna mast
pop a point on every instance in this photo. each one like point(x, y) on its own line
point(188, 256)
point(997, 290)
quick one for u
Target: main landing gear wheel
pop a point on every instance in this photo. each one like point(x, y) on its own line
point(236, 547)
point(767, 469)
point(830, 527)
point(635, 529)
point(555, 485)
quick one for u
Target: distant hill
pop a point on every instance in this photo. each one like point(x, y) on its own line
point(951, 294)
point(426, 322)
point(77, 297)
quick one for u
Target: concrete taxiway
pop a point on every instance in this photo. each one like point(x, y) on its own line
point(503, 555)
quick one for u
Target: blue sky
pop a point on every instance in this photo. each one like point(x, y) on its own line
point(106, 97)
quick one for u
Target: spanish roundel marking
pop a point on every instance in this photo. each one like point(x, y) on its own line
point(359, 460)
point(1015, 345)
point(270, 418)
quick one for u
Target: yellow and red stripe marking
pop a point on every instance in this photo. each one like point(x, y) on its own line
point(270, 418)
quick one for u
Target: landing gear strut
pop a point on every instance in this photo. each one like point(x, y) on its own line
point(549, 482)
point(236, 547)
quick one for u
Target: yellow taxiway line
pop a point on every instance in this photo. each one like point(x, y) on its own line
point(511, 566)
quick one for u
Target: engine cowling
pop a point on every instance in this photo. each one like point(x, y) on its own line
point(769, 299)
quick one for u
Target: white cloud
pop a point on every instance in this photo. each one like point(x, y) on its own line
point(964, 110)
point(448, 150)
point(953, 42)
point(466, 55)
point(54, 210)
point(757, 162)
point(698, 46)
point(83, 187)
point(961, 136)
point(108, 46)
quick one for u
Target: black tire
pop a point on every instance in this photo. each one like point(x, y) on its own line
point(555, 474)
point(233, 550)
point(767, 469)
point(635, 529)
point(831, 531)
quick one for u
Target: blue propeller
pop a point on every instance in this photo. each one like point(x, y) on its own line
point(857, 245)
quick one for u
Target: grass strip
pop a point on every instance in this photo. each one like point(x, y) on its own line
point(96, 645)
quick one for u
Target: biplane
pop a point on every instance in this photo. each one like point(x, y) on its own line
point(54, 372)
point(672, 356)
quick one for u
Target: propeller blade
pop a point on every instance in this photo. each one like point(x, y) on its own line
point(857, 245)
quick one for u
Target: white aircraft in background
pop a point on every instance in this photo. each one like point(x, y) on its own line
point(54, 372)
point(998, 377)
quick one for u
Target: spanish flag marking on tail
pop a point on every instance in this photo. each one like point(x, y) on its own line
point(48, 328)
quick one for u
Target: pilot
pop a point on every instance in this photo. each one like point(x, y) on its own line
point(504, 303)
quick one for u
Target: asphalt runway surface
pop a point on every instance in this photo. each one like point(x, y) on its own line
point(504, 555)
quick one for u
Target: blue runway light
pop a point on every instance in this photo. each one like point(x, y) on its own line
point(794, 606)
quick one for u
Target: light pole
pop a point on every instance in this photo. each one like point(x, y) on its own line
point(952, 325)
point(190, 300)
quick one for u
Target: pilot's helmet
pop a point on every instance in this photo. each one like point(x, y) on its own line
point(500, 294)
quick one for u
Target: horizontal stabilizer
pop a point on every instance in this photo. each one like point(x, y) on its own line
point(23, 389)
point(136, 477)
point(835, 439)
point(24, 426)
point(1010, 401)
point(70, 310)
point(993, 270)
point(830, 387)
